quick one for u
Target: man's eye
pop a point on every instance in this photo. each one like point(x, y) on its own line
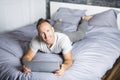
point(48, 30)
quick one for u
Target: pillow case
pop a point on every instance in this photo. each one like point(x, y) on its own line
point(106, 18)
point(44, 57)
point(70, 18)
point(41, 56)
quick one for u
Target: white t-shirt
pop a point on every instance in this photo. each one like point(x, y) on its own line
point(62, 44)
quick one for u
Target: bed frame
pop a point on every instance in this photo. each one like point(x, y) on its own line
point(112, 74)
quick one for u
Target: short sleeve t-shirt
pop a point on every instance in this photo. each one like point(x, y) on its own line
point(62, 44)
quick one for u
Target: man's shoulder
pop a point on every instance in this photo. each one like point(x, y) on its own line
point(36, 39)
point(62, 37)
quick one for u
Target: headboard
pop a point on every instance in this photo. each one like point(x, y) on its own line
point(90, 8)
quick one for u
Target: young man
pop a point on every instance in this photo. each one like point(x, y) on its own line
point(49, 41)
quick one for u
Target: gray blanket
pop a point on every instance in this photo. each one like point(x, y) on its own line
point(92, 56)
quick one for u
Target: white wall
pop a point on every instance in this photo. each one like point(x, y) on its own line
point(17, 13)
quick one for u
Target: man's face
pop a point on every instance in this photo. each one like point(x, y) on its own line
point(46, 32)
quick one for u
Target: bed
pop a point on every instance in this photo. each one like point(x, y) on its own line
point(94, 57)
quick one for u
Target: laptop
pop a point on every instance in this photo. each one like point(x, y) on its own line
point(42, 66)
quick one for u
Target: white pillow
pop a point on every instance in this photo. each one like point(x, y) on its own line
point(118, 21)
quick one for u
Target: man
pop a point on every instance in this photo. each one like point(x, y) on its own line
point(49, 41)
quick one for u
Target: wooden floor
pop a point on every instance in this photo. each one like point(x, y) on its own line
point(114, 73)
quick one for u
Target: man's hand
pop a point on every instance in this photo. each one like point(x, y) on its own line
point(61, 71)
point(26, 69)
point(66, 64)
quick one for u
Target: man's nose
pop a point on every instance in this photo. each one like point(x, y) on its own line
point(46, 35)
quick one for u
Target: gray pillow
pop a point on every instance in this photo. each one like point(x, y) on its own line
point(47, 59)
point(68, 27)
point(70, 18)
point(41, 56)
point(106, 18)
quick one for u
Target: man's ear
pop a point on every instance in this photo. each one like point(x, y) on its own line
point(53, 29)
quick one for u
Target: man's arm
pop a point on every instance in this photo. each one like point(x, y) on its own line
point(27, 57)
point(66, 64)
point(67, 60)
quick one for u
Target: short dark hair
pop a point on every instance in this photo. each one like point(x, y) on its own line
point(40, 21)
